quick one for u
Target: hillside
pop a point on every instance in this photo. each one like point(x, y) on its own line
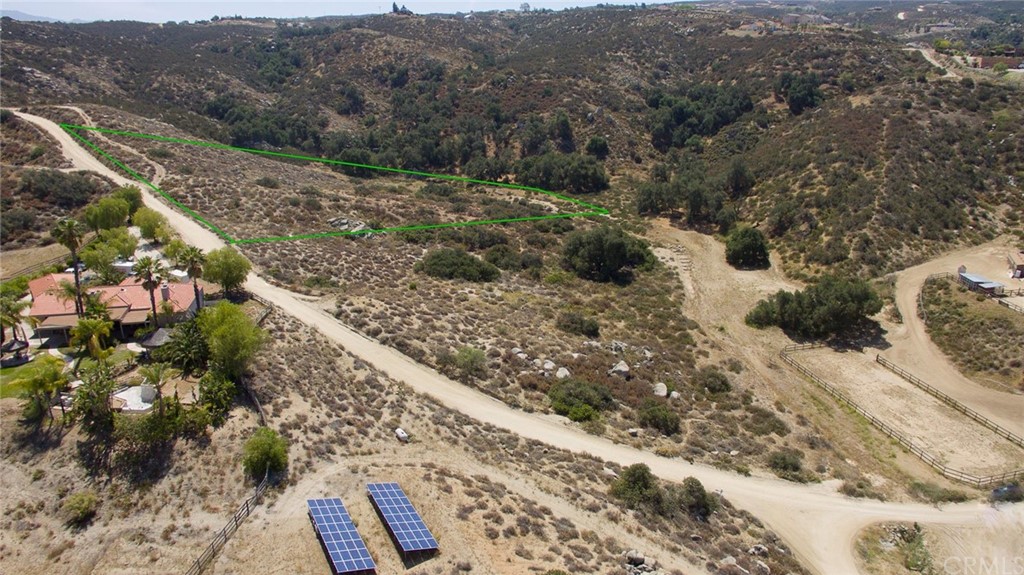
point(911, 162)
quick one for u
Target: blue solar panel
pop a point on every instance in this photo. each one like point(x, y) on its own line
point(403, 521)
point(345, 548)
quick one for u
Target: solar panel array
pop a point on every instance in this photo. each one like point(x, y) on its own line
point(402, 519)
point(344, 546)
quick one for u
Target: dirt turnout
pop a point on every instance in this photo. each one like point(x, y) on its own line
point(819, 524)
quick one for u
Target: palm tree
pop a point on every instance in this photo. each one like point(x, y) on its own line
point(10, 316)
point(158, 374)
point(70, 233)
point(94, 307)
point(151, 272)
point(193, 260)
point(47, 379)
point(89, 334)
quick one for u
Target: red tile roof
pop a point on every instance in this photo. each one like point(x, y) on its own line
point(46, 283)
point(121, 300)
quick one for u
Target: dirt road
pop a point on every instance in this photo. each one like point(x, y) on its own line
point(817, 523)
point(913, 350)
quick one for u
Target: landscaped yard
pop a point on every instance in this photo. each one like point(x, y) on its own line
point(8, 375)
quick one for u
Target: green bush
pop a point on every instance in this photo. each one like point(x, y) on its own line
point(746, 248)
point(568, 394)
point(504, 257)
point(80, 507)
point(577, 323)
point(453, 263)
point(787, 463)
point(605, 254)
point(598, 147)
point(695, 500)
point(471, 362)
point(637, 487)
point(265, 451)
point(764, 422)
point(216, 395)
point(658, 415)
point(712, 379)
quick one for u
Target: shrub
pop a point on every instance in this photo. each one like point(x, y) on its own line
point(265, 452)
point(216, 394)
point(712, 379)
point(657, 415)
point(935, 494)
point(605, 254)
point(80, 507)
point(130, 194)
point(764, 422)
point(268, 182)
point(747, 249)
point(695, 500)
point(787, 463)
point(562, 172)
point(577, 323)
point(568, 394)
point(471, 362)
point(454, 263)
point(800, 91)
point(150, 222)
point(504, 256)
point(598, 147)
point(637, 486)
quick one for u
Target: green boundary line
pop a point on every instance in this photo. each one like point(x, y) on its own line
point(592, 210)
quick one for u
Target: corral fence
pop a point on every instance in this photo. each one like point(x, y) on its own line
point(34, 268)
point(222, 536)
point(1001, 431)
point(906, 442)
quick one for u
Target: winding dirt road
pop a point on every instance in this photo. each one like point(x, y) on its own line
point(817, 523)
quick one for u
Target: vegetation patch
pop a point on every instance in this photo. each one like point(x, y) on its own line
point(983, 339)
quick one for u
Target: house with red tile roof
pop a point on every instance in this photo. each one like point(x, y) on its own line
point(127, 304)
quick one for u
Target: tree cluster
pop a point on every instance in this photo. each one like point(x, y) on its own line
point(746, 248)
point(562, 172)
point(605, 254)
point(801, 91)
point(828, 307)
point(693, 111)
point(639, 489)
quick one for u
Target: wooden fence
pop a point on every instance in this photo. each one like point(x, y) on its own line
point(934, 462)
point(222, 536)
point(1001, 431)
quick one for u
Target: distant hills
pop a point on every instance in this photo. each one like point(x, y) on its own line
point(18, 15)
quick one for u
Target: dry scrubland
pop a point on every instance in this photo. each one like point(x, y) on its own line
point(981, 338)
point(370, 284)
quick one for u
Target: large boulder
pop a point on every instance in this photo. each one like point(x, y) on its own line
point(562, 373)
point(634, 557)
point(660, 389)
point(621, 368)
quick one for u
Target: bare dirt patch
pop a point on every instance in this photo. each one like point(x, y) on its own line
point(939, 429)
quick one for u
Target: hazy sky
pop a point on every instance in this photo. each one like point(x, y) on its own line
point(164, 11)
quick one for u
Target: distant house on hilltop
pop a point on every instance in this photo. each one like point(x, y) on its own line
point(128, 304)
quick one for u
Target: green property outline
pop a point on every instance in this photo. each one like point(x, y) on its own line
point(594, 210)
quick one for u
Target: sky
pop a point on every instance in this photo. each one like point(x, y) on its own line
point(90, 10)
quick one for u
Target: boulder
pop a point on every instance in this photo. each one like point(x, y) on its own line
point(538, 363)
point(523, 356)
point(634, 431)
point(617, 346)
point(660, 389)
point(759, 550)
point(549, 365)
point(621, 368)
point(761, 568)
point(634, 557)
point(516, 351)
point(674, 395)
point(562, 373)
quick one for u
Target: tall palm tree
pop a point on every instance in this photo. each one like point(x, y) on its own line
point(158, 374)
point(193, 260)
point(10, 316)
point(70, 233)
point(150, 272)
